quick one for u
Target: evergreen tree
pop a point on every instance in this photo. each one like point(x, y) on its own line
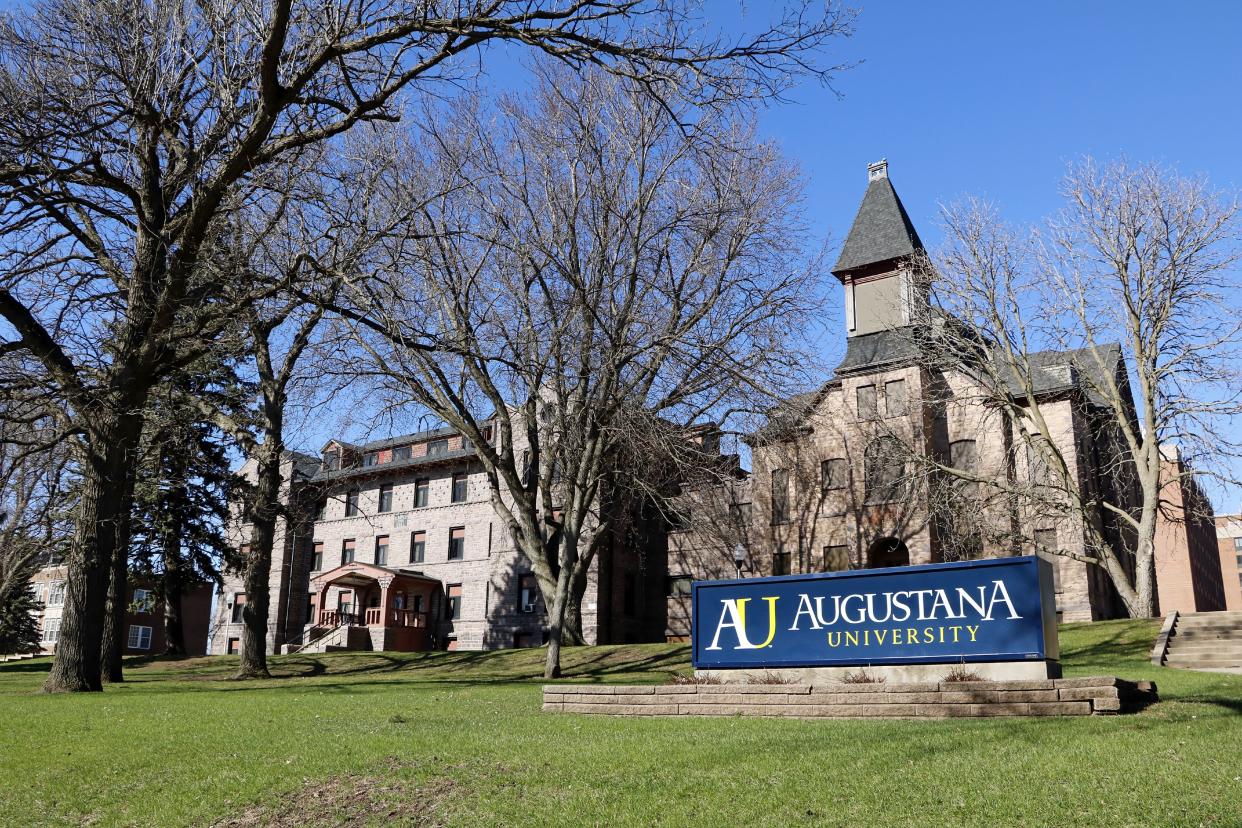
point(184, 484)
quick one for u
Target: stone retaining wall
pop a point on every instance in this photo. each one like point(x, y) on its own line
point(1047, 697)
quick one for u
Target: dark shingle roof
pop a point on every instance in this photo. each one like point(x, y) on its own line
point(881, 231)
point(1084, 368)
point(870, 352)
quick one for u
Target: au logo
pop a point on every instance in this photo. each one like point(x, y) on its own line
point(733, 616)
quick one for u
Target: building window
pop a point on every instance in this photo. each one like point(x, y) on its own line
point(56, 594)
point(233, 647)
point(51, 630)
point(437, 447)
point(964, 455)
point(317, 556)
point(401, 453)
point(522, 640)
point(321, 508)
point(528, 593)
point(1046, 547)
point(139, 637)
point(452, 606)
point(370, 458)
point(678, 586)
point(836, 558)
point(421, 489)
point(739, 513)
point(418, 547)
point(347, 551)
point(526, 467)
point(780, 561)
point(780, 495)
point(832, 473)
point(895, 398)
point(239, 605)
point(459, 488)
point(381, 550)
point(457, 543)
point(144, 600)
point(866, 402)
point(351, 503)
point(885, 470)
point(332, 461)
point(385, 498)
point(679, 520)
point(1237, 544)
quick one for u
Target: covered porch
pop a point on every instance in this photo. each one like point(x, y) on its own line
point(393, 606)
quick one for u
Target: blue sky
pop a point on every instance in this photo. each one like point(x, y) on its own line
point(994, 99)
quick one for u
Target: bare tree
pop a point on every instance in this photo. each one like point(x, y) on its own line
point(130, 131)
point(36, 480)
point(598, 265)
point(1116, 320)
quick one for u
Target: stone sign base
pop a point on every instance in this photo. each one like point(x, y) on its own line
point(1039, 697)
point(891, 673)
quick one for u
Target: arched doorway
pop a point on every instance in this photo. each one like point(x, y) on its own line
point(887, 551)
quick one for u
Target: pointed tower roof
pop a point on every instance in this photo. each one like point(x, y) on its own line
point(882, 230)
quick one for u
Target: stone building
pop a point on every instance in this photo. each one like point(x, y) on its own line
point(832, 486)
point(396, 545)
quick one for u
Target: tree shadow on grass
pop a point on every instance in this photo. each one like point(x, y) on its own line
point(495, 667)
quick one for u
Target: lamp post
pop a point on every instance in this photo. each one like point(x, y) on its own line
point(739, 558)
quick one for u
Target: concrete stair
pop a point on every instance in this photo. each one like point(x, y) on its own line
point(1205, 641)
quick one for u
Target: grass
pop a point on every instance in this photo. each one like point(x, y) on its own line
point(459, 739)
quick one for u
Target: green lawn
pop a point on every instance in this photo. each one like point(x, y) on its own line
point(459, 739)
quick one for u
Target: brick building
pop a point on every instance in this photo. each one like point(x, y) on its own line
point(1189, 567)
point(830, 489)
point(144, 620)
point(397, 546)
point(1229, 544)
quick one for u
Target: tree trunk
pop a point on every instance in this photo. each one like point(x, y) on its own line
point(115, 633)
point(112, 647)
point(572, 633)
point(76, 665)
point(174, 574)
point(556, 625)
point(173, 587)
point(259, 564)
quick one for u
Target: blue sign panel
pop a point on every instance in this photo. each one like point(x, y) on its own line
point(992, 610)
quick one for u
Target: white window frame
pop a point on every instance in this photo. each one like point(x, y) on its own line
point(51, 630)
point(144, 600)
point(56, 594)
point(139, 637)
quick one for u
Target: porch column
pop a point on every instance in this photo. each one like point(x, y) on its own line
point(320, 604)
point(384, 584)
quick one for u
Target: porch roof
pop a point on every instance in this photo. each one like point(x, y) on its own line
point(358, 573)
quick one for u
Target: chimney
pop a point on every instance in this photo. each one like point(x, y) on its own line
point(877, 170)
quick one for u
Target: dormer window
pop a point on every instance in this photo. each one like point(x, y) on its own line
point(370, 458)
point(437, 447)
point(331, 460)
point(401, 453)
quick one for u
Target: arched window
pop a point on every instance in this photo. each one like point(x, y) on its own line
point(964, 455)
point(885, 470)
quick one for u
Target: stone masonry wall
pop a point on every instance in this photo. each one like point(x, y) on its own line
point(1050, 697)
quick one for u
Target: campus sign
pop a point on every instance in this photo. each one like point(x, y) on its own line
point(993, 610)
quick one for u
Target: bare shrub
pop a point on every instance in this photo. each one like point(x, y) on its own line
point(863, 677)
